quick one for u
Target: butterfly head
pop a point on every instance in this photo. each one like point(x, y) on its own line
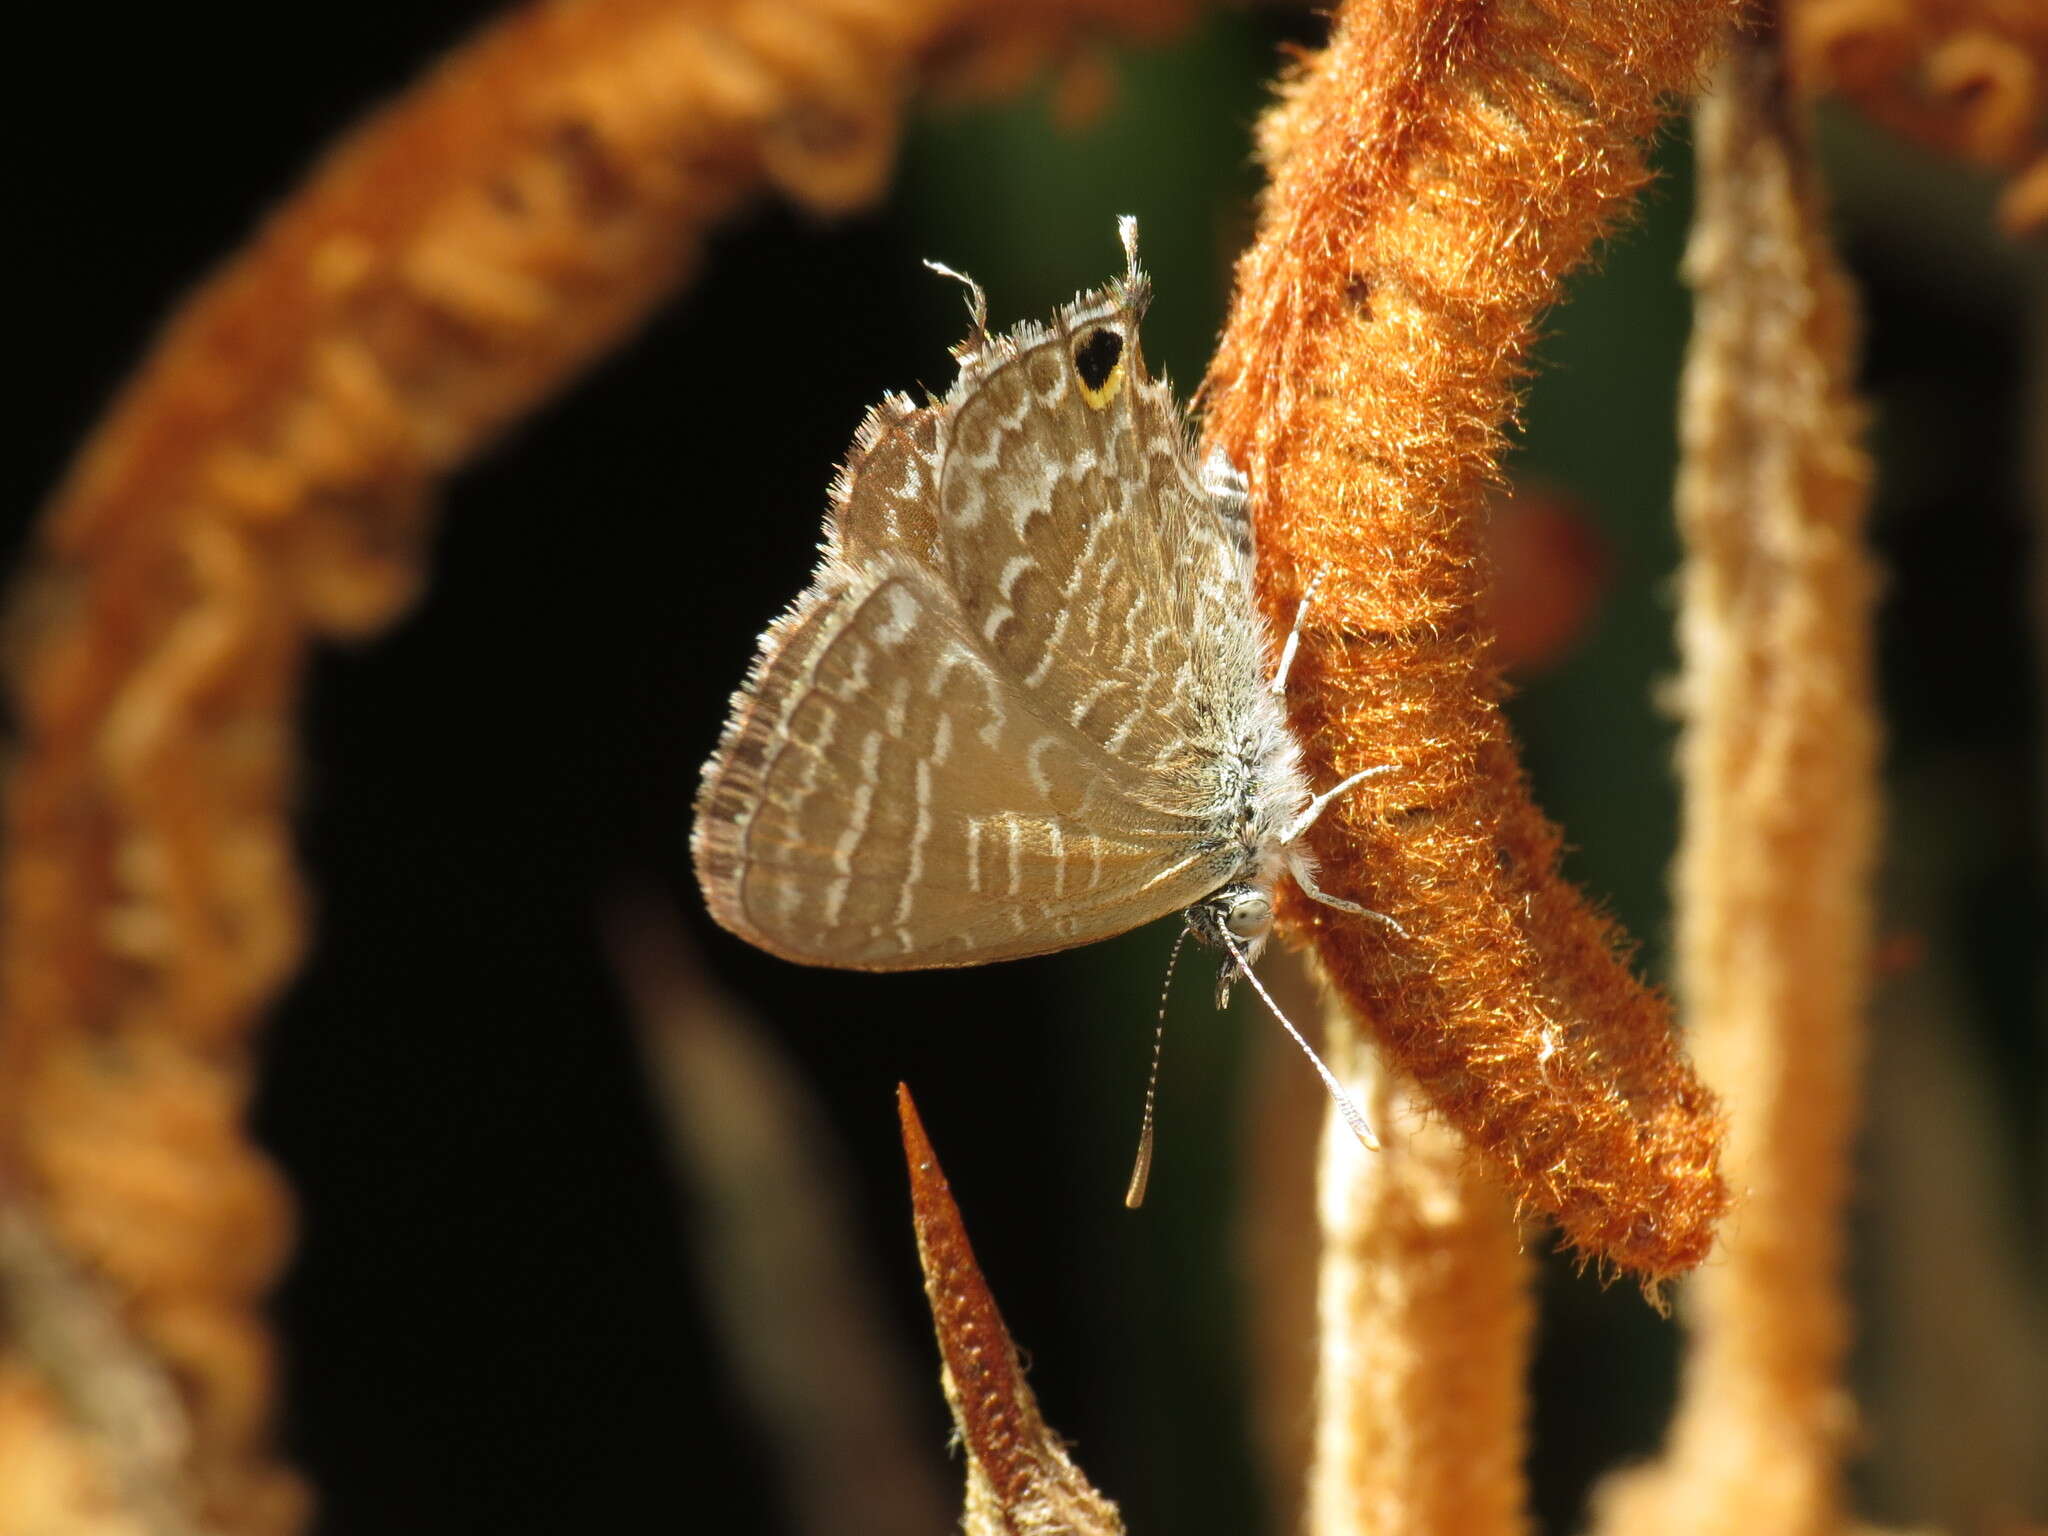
point(1236, 920)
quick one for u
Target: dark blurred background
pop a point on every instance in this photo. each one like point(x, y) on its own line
point(494, 1323)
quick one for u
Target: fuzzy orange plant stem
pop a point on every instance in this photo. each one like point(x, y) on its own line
point(1425, 1315)
point(1779, 762)
point(262, 481)
point(1434, 173)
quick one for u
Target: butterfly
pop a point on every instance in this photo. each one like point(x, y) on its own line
point(1028, 700)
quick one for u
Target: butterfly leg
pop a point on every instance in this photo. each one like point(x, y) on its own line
point(1305, 877)
point(1321, 803)
point(1302, 866)
point(1287, 651)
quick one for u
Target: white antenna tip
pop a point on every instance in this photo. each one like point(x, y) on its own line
point(1141, 1173)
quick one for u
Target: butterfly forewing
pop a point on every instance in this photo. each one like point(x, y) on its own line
point(1075, 532)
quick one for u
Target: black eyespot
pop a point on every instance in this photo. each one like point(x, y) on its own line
point(1096, 357)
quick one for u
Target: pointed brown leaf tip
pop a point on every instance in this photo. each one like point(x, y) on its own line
point(1019, 1480)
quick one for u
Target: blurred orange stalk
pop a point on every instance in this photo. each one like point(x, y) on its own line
point(1779, 764)
point(1966, 77)
point(1426, 1313)
point(264, 480)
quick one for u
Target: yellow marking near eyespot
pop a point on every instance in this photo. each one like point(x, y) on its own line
point(1099, 398)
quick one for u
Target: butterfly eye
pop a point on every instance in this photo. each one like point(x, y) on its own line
point(1250, 916)
point(1098, 359)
